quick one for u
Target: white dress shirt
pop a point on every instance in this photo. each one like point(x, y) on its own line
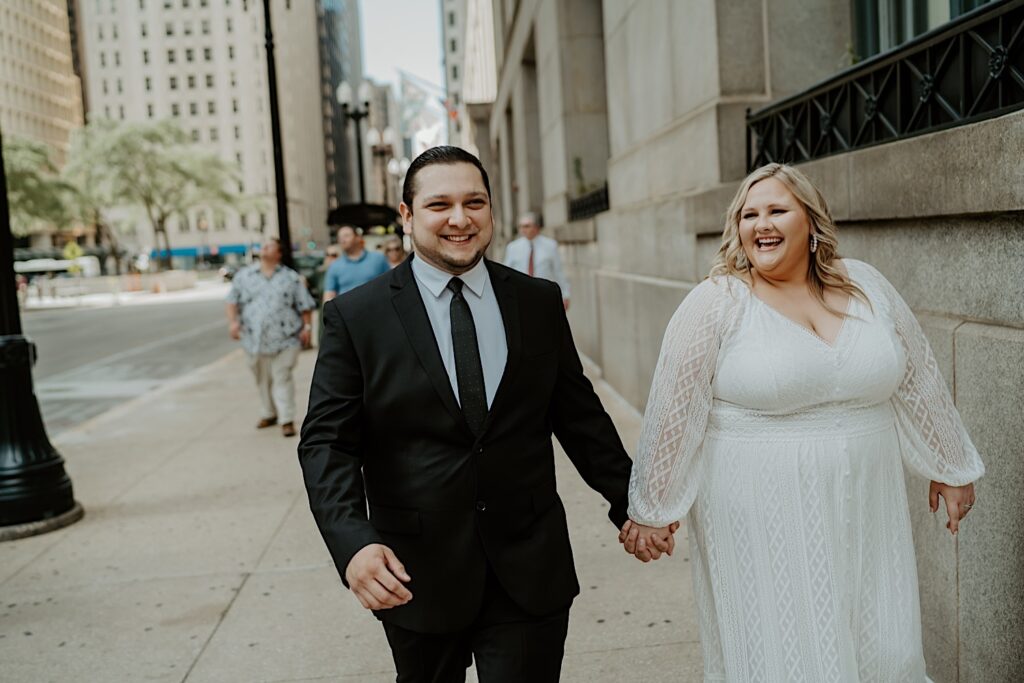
point(432, 283)
point(546, 261)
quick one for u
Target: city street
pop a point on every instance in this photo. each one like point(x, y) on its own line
point(91, 359)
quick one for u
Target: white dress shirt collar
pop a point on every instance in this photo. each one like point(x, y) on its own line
point(436, 280)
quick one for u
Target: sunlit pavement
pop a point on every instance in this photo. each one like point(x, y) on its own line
point(198, 560)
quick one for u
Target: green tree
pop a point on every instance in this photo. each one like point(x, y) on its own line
point(156, 167)
point(35, 192)
point(89, 178)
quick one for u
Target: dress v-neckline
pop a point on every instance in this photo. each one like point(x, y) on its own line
point(833, 345)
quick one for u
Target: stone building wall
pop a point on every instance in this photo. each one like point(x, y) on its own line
point(941, 215)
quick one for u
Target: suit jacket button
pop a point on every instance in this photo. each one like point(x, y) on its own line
point(481, 506)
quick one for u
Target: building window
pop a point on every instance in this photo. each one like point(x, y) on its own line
point(114, 30)
point(106, 112)
point(453, 45)
point(229, 25)
point(209, 80)
point(211, 107)
point(103, 59)
point(142, 4)
point(120, 111)
point(213, 135)
point(105, 90)
point(191, 82)
point(231, 51)
point(145, 56)
point(203, 3)
point(206, 27)
point(168, 29)
point(117, 59)
point(175, 109)
point(234, 80)
point(170, 56)
point(149, 110)
point(149, 83)
point(174, 82)
point(185, 4)
point(451, 18)
point(120, 89)
point(207, 54)
point(881, 25)
point(234, 106)
point(238, 136)
point(195, 135)
point(193, 108)
point(455, 72)
point(142, 30)
point(190, 54)
point(99, 31)
point(186, 28)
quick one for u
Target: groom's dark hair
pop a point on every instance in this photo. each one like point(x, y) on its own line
point(444, 154)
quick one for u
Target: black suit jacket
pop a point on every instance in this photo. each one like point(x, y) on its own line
point(447, 502)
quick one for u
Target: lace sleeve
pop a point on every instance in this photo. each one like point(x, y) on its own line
point(667, 468)
point(933, 440)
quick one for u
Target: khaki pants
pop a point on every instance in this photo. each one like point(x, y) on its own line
point(274, 380)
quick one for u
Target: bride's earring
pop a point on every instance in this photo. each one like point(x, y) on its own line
point(814, 242)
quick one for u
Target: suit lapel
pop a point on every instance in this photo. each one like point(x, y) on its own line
point(508, 303)
point(405, 296)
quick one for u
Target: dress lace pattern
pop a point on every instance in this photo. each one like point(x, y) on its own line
point(785, 455)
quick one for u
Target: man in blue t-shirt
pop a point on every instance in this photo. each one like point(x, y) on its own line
point(356, 265)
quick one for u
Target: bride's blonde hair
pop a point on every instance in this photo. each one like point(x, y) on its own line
point(822, 271)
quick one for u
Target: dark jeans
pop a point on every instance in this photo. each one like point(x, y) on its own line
point(508, 644)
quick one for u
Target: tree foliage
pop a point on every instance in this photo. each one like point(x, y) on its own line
point(35, 192)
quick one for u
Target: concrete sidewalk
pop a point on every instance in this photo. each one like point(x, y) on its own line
point(198, 560)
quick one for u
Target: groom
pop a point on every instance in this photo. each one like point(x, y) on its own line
point(465, 551)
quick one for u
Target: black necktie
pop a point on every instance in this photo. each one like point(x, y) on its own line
point(469, 370)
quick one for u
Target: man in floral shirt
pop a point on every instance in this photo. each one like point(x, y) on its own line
point(270, 310)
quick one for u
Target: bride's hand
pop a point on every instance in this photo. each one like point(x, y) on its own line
point(959, 501)
point(647, 543)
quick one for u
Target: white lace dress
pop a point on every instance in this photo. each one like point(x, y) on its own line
point(784, 454)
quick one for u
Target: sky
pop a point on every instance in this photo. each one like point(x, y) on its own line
point(402, 34)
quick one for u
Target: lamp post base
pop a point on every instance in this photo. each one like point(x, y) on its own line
point(33, 484)
point(12, 533)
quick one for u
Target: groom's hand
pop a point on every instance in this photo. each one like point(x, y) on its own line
point(375, 576)
point(647, 543)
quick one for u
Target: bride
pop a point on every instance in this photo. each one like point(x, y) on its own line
point(791, 388)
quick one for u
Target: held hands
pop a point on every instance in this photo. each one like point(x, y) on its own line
point(375, 576)
point(959, 501)
point(647, 543)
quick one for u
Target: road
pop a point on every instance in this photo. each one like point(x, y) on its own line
point(93, 359)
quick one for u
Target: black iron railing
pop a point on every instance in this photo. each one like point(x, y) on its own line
point(965, 71)
point(588, 205)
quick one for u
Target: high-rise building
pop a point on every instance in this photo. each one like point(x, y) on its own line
point(453, 34)
point(202, 63)
point(341, 60)
point(40, 95)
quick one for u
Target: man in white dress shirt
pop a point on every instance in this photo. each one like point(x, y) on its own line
point(537, 255)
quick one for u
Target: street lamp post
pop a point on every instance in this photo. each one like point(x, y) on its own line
point(352, 110)
point(382, 144)
point(35, 492)
point(284, 232)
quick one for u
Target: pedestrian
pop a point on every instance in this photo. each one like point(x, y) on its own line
point(356, 265)
point(466, 550)
point(270, 309)
point(394, 251)
point(536, 254)
point(331, 254)
point(792, 389)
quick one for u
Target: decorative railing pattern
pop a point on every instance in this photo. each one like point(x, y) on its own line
point(589, 205)
point(965, 71)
